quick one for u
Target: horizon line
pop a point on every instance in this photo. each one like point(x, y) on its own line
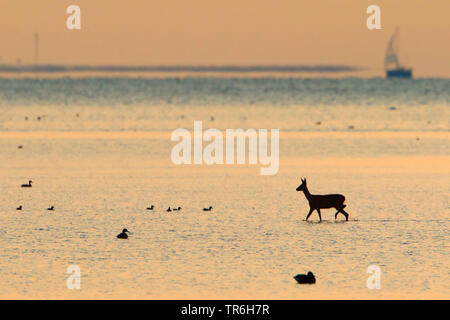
point(316, 68)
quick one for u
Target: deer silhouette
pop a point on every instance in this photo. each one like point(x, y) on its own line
point(317, 202)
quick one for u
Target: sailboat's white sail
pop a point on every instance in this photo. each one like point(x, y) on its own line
point(391, 57)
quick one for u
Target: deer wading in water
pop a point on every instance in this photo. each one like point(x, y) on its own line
point(326, 201)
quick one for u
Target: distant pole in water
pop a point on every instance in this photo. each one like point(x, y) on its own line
point(36, 49)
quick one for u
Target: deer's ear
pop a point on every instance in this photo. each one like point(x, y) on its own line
point(303, 180)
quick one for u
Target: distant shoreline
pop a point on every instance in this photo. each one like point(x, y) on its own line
point(8, 68)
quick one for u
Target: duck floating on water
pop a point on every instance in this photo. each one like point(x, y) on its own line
point(19, 207)
point(177, 209)
point(27, 185)
point(305, 278)
point(207, 209)
point(51, 208)
point(169, 210)
point(151, 208)
point(123, 234)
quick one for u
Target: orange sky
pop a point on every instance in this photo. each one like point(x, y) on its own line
point(227, 32)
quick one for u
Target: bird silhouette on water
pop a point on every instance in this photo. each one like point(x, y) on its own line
point(123, 234)
point(207, 209)
point(169, 210)
point(19, 207)
point(51, 208)
point(177, 209)
point(305, 278)
point(151, 208)
point(27, 185)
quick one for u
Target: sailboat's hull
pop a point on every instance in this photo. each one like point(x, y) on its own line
point(399, 73)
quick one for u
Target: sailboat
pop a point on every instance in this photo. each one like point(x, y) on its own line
point(391, 62)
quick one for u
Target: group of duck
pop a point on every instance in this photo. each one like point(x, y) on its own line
point(168, 209)
point(124, 235)
point(301, 278)
point(176, 208)
point(29, 185)
point(49, 208)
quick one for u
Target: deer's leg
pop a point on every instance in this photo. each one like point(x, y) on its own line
point(344, 213)
point(320, 217)
point(335, 215)
point(310, 211)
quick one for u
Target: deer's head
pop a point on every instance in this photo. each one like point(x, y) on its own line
point(302, 187)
